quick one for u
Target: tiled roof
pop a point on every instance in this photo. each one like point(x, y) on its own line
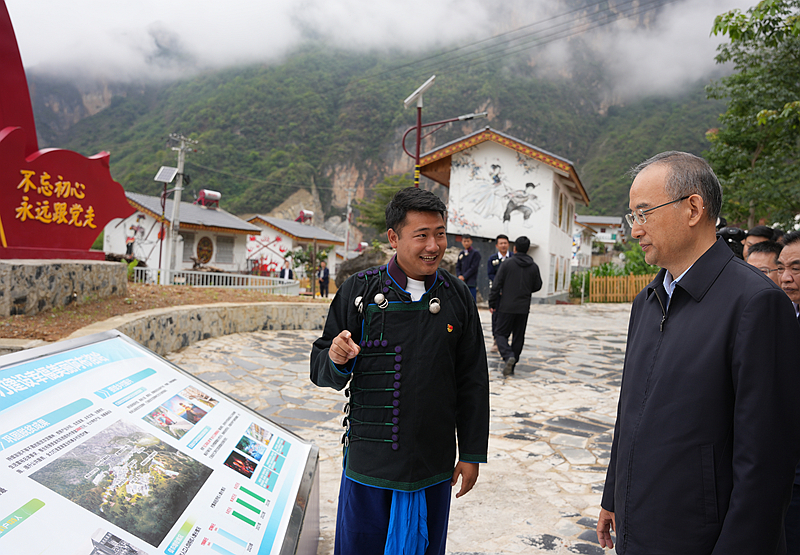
point(191, 214)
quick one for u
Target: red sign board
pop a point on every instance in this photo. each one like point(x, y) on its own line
point(53, 203)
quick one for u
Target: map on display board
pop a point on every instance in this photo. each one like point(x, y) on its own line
point(107, 448)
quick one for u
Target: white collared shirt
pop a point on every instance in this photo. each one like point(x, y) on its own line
point(669, 283)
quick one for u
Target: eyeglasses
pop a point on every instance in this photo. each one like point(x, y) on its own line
point(639, 215)
point(793, 269)
point(768, 271)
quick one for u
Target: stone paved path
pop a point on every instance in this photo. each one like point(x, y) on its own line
point(550, 425)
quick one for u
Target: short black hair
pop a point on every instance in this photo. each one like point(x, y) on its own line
point(412, 199)
point(769, 247)
point(501, 236)
point(522, 244)
point(762, 231)
point(465, 236)
point(687, 175)
point(791, 238)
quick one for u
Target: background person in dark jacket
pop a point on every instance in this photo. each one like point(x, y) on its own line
point(501, 243)
point(516, 279)
point(469, 260)
point(708, 424)
point(324, 276)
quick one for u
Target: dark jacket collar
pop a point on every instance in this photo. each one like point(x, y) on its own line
point(399, 276)
point(703, 273)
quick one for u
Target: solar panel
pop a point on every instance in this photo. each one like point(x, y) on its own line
point(166, 174)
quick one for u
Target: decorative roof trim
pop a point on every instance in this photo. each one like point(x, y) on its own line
point(185, 225)
point(292, 236)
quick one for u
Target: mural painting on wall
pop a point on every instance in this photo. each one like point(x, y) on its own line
point(490, 195)
point(266, 255)
point(57, 201)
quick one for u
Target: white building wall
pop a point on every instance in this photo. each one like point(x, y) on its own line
point(489, 195)
point(147, 247)
point(269, 247)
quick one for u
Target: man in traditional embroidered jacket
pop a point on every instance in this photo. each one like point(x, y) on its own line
point(708, 424)
point(406, 341)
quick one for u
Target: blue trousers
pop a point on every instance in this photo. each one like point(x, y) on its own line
point(362, 518)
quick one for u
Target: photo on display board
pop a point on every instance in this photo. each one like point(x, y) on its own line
point(241, 464)
point(168, 422)
point(103, 542)
point(251, 448)
point(199, 398)
point(185, 409)
point(129, 478)
point(259, 433)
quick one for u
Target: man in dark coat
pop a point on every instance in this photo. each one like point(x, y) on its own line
point(286, 272)
point(406, 340)
point(469, 261)
point(510, 297)
point(708, 424)
point(323, 276)
point(501, 243)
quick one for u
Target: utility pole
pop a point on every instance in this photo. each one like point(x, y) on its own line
point(172, 245)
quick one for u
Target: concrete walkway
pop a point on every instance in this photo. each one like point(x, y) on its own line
point(550, 426)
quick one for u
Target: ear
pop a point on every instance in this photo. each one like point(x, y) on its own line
point(393, 237)
point(697, 211)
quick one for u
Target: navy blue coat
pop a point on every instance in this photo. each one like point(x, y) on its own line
point(469, 261)
point(707, 434)
point(493, 265)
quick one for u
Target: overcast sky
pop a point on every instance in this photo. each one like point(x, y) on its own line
point(126, 39)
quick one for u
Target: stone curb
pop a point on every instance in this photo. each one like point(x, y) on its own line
point(164, 330)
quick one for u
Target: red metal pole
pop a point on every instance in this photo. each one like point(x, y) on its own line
point(419, 139)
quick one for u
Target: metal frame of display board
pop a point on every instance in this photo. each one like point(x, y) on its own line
point(301, 529)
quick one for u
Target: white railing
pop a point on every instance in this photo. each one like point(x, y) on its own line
point(275, 286)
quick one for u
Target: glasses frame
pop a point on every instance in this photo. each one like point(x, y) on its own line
point(640, 214)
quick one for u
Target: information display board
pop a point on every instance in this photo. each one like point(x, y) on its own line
point(107, 448)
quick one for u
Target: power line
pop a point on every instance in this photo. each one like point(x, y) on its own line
point(257, 180)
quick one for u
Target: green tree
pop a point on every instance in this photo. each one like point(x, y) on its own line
point(373, 212)
point(756, 149)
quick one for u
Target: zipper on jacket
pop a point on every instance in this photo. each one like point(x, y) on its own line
point(663, 312)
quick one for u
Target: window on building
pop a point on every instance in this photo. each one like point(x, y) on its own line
point(551, 280)
point(565, 275)
point(188, 246)
point(555, 203)
point(561, 210)
point(224, 249)
point(570, 218)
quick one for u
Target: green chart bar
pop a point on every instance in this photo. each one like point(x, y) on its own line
point(244, 503)
point(252, 494)
point(243, 518)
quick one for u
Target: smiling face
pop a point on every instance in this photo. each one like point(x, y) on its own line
point(663, 234)
point(420, 243)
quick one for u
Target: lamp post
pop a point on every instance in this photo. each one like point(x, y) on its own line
point(417, 96)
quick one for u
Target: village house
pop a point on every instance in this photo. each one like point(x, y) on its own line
point(267, 248)
point(501, 185)
point(208, 235)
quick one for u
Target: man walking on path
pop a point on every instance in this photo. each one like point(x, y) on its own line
point(469, 261)
point(708, 424)
point(510, 297)
point(406, 340)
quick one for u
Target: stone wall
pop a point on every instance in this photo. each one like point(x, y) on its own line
point(32, 286)
point(165, 330)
